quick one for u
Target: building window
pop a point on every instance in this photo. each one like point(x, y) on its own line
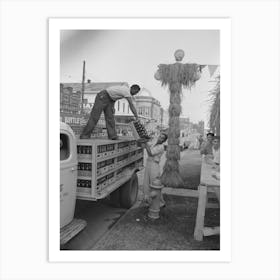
point(118, 105)
point(141, 111)
point(147, 111)
point(123, 107)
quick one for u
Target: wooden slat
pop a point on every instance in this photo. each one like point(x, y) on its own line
point(190, 193)
point(180, 192)
point(208, 185)
point(207, 231)
point(199, 224)
point(212, 205)
point(70, 230)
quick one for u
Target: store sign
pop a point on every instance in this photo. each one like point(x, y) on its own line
point(73, 119)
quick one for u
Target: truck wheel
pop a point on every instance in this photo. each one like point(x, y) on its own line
point(129, 192)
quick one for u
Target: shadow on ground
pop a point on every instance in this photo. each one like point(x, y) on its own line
point(173, 231)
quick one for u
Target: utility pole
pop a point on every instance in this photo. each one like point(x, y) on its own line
point(83, 86)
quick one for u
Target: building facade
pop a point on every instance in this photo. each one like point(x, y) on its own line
point(201, 127)
point(70, 100)
point(148, 106)
point(184, 122)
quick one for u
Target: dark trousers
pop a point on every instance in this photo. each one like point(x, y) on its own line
point(103, 102)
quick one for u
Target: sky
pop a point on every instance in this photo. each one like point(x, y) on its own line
point(133, 56)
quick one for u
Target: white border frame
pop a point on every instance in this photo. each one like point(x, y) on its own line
point(222, 24)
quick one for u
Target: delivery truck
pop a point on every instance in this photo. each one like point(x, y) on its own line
point(92, 169)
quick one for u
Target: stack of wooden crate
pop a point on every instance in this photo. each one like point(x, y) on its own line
point(103, 163)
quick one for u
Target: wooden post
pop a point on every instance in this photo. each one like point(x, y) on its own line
point(199, 225)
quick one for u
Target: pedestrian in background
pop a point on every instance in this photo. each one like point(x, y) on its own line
point(200, 140)
point(206, 148)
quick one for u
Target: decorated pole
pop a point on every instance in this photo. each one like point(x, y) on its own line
point(175, 76)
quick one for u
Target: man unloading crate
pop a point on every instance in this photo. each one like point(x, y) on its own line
point(105, 101)
point(152, 169)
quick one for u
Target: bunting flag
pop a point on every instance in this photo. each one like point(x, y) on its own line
point(212, 69)
point(201, 67)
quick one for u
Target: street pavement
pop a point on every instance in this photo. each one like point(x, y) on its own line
point(100, 217)
point(190, 165)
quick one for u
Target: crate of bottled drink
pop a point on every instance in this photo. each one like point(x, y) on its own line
point(139, 131)
point(103, 163)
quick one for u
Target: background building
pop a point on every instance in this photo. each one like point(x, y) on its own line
point(148, 106)
point(191, 128)
point(150, 110)
point(184, 122)
point(70, 100)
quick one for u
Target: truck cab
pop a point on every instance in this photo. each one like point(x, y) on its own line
point(68, 174)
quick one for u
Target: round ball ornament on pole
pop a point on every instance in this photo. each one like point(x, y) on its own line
point(179, 55)
point(175, 76)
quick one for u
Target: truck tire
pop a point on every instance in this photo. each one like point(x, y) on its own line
point(129, 192)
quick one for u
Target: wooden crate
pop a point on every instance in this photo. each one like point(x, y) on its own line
point(102, 164)
point(136, 127)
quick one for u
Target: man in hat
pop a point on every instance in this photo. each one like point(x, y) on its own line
point(152, 168)
point(206, 148)
point(105, 101)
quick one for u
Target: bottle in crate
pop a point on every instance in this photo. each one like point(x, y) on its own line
point(88, 150)
point(139, 130)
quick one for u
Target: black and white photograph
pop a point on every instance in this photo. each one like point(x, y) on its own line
point(167, 161)
point(140, 139)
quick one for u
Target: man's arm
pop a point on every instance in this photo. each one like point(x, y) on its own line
point(132, 108)
point(148, 149)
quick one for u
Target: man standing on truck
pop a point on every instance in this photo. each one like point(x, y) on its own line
point(105, 101)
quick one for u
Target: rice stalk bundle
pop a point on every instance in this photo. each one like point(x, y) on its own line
point(175, 76)
point(174, 141)
point(184, 74)
point(174, 120)
point(174, 133)
point(173, 152)
point(170, 176)
point(174, 109)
